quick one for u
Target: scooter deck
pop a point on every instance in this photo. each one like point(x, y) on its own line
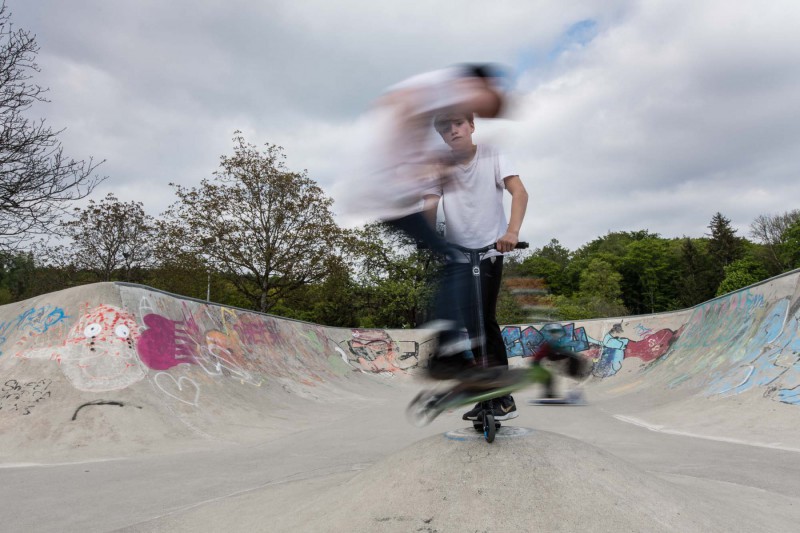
point(429, 404)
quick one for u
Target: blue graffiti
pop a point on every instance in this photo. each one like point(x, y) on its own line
point(35, 321)
point(759, 360)
point(790, 396)
point(611, 356)
point(523, 342)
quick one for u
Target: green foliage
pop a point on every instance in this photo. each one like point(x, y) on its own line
point(741, 273)
point(332, 302)
point(601, 280)
point(790, 247)
point(695, 281)
point(16, 278)
point(649, 268)
point(550, 263)
point(772, 233)
point(584, 307)
point(724, 247)
point(599, 295)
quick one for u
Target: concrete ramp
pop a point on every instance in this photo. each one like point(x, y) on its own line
point(726, 369)
point(111, 370)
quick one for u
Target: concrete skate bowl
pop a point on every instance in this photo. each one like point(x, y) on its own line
point(115, 369)
point(725, 369)
point(263, 406)
point(128, 365)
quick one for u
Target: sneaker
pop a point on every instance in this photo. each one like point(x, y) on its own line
point(474, 413)
point(505, 408)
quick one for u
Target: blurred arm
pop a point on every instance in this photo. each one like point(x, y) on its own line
point(430, 207)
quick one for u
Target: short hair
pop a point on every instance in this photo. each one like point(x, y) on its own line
point(441, 119)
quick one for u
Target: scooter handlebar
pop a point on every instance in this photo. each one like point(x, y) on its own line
point(519, 246)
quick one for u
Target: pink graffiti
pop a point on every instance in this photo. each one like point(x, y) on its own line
point(251, 330)
point(166, 343)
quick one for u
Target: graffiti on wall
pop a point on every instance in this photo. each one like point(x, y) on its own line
point(769, 359)
point(373, 350)
point(223, 342)
point(31, 323)
point(726, 347)
point(524, 341)
point(606, 353)
point(609, 352)
point(98, 353)
point(22, 397)
point(107, 349)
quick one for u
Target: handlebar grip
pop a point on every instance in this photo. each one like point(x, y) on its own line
point(521, 246)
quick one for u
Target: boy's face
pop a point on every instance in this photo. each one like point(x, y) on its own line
point(456, 131)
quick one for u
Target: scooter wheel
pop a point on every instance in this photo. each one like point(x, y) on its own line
point(489, 429)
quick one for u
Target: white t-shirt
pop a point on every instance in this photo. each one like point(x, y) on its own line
point(472, 199)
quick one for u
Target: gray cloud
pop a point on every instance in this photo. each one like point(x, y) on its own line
point(661, 115)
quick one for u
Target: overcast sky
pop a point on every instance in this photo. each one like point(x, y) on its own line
point(630, 114)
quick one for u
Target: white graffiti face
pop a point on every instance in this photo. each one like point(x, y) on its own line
point(100, 351)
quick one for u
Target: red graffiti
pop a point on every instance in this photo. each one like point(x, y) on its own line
point(651, 346)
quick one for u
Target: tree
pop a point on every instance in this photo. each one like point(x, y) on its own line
point(267, 230)
point(333, 301)
point(724, 246)
point(741, 273)
point(771, 231)
point(599, 296)
point(694, 282)
point(612, 249)
point(16, 271)
point(110, 238)
point(37, 182)
point(550, 263)
point(649, 268)
point(790, 249)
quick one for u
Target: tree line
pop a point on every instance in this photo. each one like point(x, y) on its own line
point(258, 236)
point(638, 272)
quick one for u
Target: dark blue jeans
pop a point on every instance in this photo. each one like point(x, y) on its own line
point(455, 299)
point(453, 295)
point(491, 275)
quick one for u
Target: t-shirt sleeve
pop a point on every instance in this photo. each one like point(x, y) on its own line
point(504, 169)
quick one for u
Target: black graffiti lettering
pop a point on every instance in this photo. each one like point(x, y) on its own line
point(22, 397)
